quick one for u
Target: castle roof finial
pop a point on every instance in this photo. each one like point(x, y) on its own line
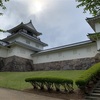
point(30, 21)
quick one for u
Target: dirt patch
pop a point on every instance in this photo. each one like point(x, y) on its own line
point(76, 95)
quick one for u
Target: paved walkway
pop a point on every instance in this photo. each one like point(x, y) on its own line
point(7, 94)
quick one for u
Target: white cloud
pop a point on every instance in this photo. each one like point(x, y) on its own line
point(59, 20)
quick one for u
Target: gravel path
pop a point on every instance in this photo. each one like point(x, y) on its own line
point(7, 94)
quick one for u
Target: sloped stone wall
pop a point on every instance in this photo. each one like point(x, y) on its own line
point(75, 64)
point(16, 64)
point(1, 63)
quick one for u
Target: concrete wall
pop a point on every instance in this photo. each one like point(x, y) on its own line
point(19, 51)
point(85, 51)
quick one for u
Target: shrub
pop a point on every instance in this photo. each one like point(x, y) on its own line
point(51, 83)
point(88, 76)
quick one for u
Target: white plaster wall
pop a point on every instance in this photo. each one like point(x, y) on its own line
point(67, 54)
point(3, 52)
point(98, 44)
point(19, 51)
point(97, 27)
point(23, 40)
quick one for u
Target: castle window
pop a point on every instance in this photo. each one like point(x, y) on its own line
point(27, 41)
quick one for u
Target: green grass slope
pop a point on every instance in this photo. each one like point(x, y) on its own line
point(16, 80)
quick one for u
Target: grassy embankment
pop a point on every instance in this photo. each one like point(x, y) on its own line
point(16, 80)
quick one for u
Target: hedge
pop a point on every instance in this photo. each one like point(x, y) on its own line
point(89, 76)
point(51, 83)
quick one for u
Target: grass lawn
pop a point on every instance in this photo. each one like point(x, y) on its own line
point(16, 80)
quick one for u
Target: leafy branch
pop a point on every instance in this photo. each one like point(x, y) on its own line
point(93, 6)
point(3, 7)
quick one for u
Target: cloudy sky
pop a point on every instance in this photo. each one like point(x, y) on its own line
point(59, 21)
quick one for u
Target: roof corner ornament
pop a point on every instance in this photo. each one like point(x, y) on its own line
point(30, 21)
point(21, 22)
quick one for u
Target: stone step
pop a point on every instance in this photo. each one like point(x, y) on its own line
point(92, 98)
point(95, 94)
point(96, 88)
point(96, 91)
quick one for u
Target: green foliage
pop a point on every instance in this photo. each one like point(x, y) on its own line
point(2, 30)
point(93, 6)
point(51, 83)
point(2, 5)
point(88, 76)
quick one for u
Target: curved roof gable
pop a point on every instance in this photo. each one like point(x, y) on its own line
point(29, 27)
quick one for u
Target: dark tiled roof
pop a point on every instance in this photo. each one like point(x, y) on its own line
point(91, 21)
point(3, 43)
point(65, 46)
point(27, 36)
point(29, 26)
point(24, 45)
point(94, 36)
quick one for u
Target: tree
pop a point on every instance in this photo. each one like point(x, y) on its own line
point(2, 7)
point(2, 4)
point(93, 6)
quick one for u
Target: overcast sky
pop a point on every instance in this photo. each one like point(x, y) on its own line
point(59, 21)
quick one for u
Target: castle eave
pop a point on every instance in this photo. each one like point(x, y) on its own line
point(24, 45)
point(92, 21)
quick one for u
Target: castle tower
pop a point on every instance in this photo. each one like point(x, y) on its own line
point(94, 22)
point(24, 41)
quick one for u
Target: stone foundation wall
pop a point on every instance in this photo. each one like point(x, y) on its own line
point(75, 64)
point(18, 64)
point(15, 64)
point(1, 63)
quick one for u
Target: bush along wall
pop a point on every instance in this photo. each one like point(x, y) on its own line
point(51, 83)
point(89, 78)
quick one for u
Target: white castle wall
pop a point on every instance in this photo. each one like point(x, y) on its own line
point(3, 52)
point(19, 51)
point(27, 41)
point(97, 27)
point(89, 50)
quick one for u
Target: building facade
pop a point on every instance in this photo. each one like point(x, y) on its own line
point(23, 50)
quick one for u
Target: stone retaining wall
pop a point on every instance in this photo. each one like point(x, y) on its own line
point(15, 64)
point(75, 64)
point(18, 64)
